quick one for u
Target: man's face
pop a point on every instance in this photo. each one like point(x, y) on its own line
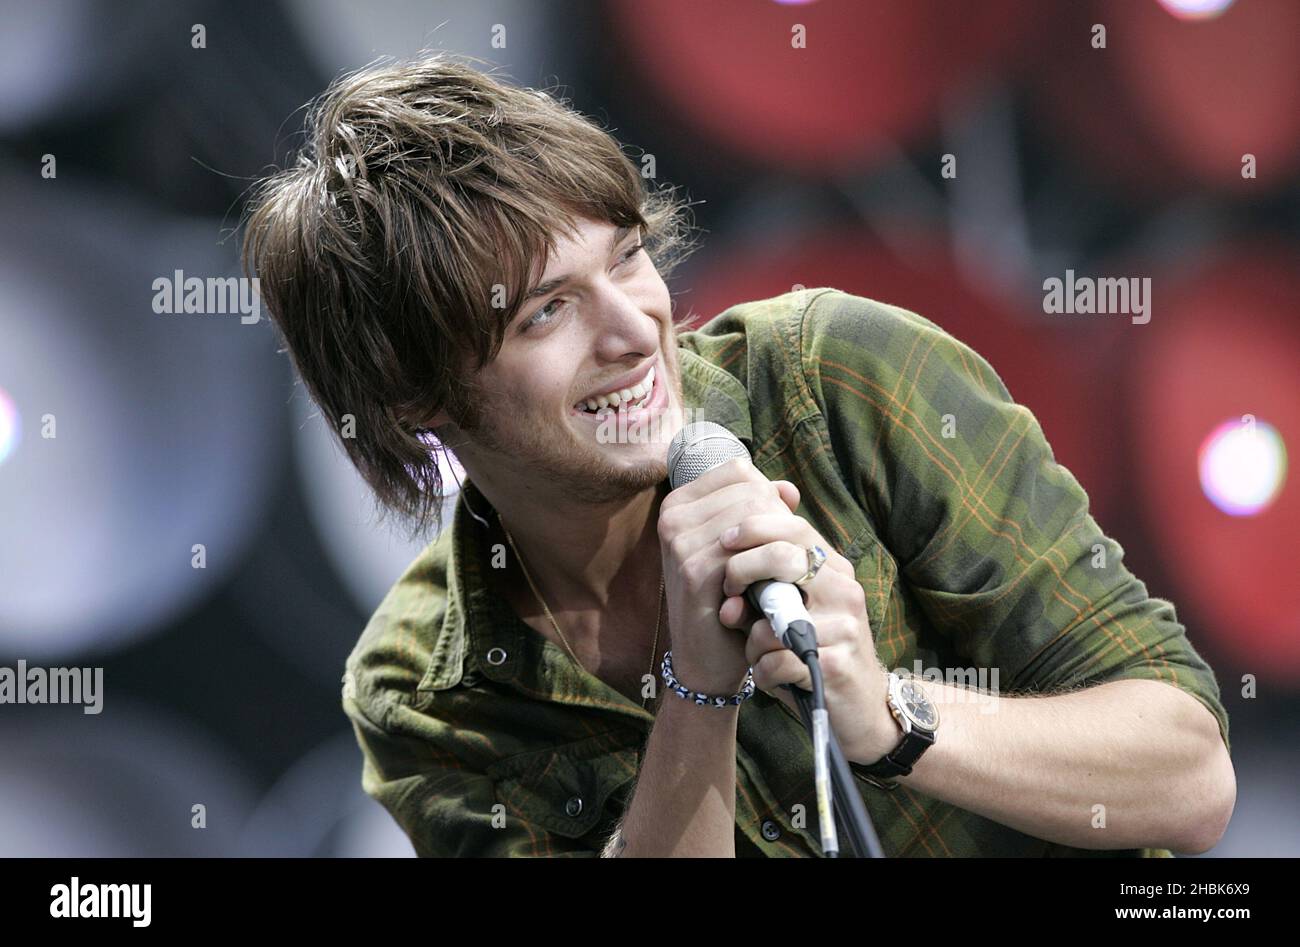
point(601, 320)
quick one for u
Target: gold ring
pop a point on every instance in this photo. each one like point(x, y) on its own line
point(816, 559)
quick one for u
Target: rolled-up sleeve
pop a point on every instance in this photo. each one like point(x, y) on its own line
point(992, 536)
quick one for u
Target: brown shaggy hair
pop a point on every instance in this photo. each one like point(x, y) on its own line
point(422, 205)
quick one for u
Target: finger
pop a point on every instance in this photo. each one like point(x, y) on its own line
point(758, 529)
point(763, 528)
point(731, 503)
point(780, 667)
point(761, 640)
point(789, 493)
point(736, 613)
point(707, 517)
point(780, 560)
point(736, 470)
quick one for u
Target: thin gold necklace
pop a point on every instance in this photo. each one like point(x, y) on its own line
point(554, 624)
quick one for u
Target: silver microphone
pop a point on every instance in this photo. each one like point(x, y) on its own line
point(697, 449)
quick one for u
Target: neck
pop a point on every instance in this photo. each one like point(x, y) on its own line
point(585, 556)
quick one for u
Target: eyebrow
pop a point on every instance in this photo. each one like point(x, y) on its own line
point(541, 289)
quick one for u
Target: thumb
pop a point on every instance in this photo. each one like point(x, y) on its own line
point(789, 494)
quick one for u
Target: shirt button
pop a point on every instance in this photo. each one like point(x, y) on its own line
point(574, 806)
point(771, 831)
point(496, 657)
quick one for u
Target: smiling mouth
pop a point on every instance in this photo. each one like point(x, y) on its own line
point(635, 398)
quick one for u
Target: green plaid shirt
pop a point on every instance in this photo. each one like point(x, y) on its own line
point(974, 549)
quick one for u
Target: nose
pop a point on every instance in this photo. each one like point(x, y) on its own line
point(622, 327)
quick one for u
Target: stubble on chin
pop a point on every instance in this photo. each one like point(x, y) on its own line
point(585, 473)
point(569, 458)
point(574, 465)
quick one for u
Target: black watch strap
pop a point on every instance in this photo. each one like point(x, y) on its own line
point(899, 762)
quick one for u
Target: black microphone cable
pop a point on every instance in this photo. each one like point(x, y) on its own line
point(850, 813)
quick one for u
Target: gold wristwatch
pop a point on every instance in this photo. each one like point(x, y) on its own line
point(918, 717)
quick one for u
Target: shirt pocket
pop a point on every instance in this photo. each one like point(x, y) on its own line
point(571, 789)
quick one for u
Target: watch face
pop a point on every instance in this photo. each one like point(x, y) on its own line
point(918, 706)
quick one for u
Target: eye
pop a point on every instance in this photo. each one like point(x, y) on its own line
point(632, 251)
point(534, 319)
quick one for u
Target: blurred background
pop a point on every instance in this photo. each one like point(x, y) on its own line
point(171, 507)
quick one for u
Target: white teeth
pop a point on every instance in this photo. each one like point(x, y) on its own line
point(616, 398)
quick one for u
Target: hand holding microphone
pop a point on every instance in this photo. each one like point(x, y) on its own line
point(707, 655)
point(716, 487)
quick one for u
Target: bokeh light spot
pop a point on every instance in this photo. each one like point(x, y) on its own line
point(10, 426)
point(1196, 9)
point(1242, 466)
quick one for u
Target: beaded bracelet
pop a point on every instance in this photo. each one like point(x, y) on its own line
point(682, 691)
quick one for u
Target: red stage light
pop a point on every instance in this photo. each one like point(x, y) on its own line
point(1174, 103)
point(1228, 347)
point(867, 74)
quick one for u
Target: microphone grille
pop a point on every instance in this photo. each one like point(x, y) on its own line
point(698, 448)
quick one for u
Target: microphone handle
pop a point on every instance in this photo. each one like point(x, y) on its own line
point(783, 605)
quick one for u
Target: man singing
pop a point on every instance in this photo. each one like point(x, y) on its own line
point(570, 668)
